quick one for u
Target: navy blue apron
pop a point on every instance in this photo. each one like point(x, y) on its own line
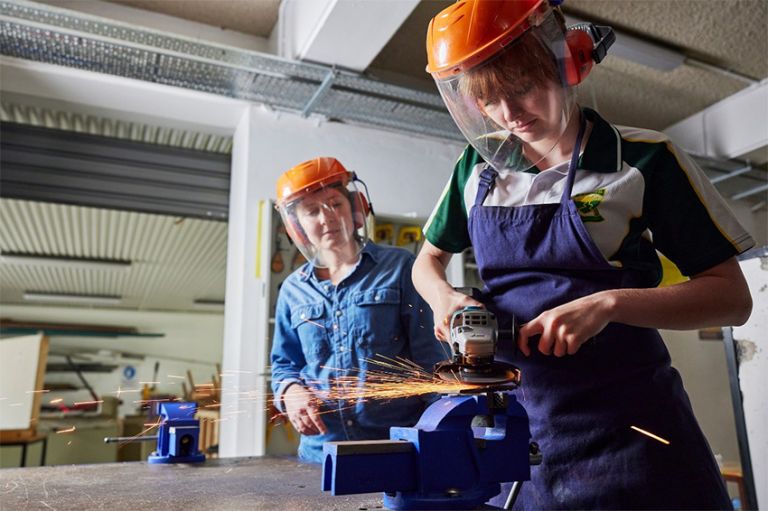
point(533, 258)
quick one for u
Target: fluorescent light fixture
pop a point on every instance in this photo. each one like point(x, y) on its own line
point(637, 50)
point(72, 299)
point(207, 304)
point(83, 263)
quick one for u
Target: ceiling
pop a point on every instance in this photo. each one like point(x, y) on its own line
point(631, 94)
point(727, 34)
point(724, 44)
point(255, 17)
point(174, 261)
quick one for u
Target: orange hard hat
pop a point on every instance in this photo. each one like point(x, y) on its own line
point(471, 31)
point(307, 176)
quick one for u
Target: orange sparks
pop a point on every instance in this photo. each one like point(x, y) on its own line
point(648, 433)
point(314, 323)
point(175, 376)
point(68, 430)
point(79, 403)
point(56, 401)
point(37, 391)
point(384, 379)
point(398, 378)
point(147, 429)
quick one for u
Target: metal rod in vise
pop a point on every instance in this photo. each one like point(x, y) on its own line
point(117, 439)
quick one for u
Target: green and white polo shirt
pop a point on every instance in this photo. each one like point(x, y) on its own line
point(636, 193)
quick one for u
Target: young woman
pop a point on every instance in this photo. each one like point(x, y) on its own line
point(351, 302)
point(565, 213)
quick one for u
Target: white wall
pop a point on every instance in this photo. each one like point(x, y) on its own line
point(753, 365)
point(405, 173)
point(193, 341)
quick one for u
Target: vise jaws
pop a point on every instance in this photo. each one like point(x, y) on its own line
point(443, 462)
point(177, 436)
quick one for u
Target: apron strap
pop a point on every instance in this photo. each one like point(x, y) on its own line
point(488, 175)
point(574, 160)
point(487, 182)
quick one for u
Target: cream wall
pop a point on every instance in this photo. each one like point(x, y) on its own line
point(192, 341)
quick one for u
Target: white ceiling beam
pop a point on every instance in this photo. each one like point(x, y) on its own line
point(734, 127)
point(119, 97)
point(345, 33)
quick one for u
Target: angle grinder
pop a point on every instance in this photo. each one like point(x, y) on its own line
point(474, 334)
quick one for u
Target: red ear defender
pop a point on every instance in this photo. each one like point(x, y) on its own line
point(579, 61)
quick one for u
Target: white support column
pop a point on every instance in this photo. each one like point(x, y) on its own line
point(347, 33)
point(246, 316)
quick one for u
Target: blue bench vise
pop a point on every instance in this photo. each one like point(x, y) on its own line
point(177, 436)
point(443, 462)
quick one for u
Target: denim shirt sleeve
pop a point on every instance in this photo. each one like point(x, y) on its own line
point(418, 324)
point(287, 357)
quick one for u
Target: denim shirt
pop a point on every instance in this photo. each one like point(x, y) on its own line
point(324, 331)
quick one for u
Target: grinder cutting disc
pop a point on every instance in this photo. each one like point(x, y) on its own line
point(487, 374)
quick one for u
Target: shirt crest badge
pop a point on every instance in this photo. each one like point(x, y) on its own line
point(587, 203)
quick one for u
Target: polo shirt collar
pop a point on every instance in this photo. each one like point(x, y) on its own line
point(603, 150)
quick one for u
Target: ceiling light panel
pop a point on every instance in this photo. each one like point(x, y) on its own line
point(72, 299)
point(173, 259)
point(64, 262)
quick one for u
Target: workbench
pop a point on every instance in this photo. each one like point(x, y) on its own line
point(223, 484)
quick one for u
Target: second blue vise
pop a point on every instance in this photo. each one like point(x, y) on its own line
point(444, 462)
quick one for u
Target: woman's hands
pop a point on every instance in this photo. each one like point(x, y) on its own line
point(565, 328)
point(448, 303)
point(301, 406)
point(430, 281)
point(718, 296)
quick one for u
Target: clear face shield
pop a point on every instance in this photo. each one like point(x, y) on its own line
point(514, 107)
point(328, 223)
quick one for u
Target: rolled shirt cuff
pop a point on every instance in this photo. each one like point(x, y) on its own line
point(281, 390)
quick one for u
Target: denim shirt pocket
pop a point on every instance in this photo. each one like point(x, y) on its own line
point(310, 326)
point(378, 328)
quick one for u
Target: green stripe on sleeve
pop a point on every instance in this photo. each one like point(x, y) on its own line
point(447, 225)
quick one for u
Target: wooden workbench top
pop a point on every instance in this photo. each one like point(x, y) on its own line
point(223, 484)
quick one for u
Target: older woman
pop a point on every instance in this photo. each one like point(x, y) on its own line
point(351, 302)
